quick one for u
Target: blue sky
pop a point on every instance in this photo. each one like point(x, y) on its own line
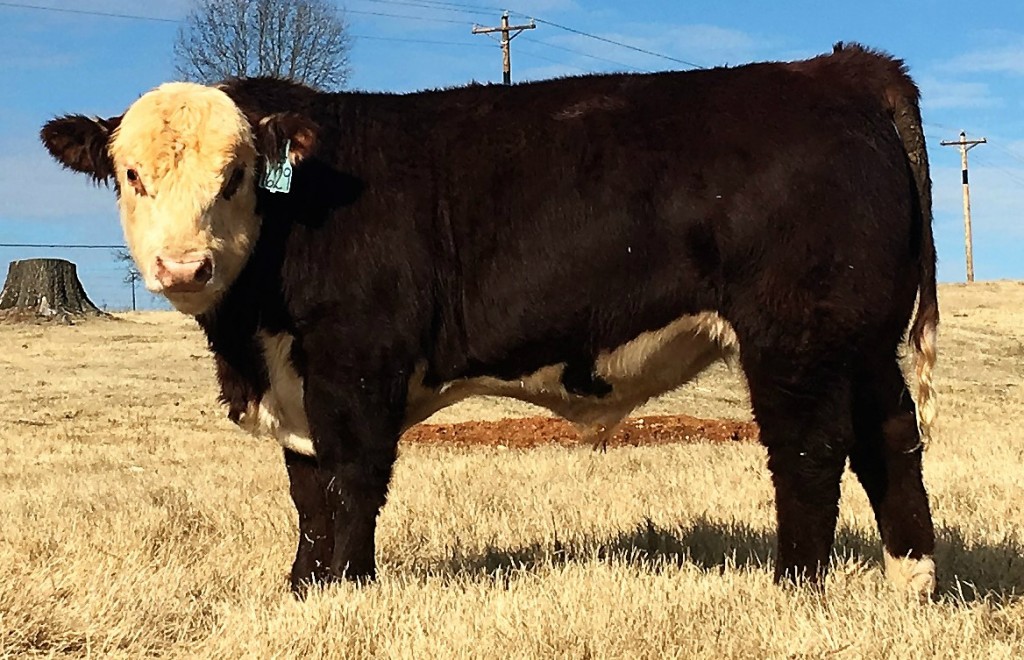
point(967, 59)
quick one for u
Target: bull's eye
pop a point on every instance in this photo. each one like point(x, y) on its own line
point(133, 178)
point(231, 187)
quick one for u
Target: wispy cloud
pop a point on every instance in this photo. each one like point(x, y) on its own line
point(24, 52)
point(713, 44)
point(699, 44)
point(1016, 148)
point(706, 45)
point(996, 191)
point(35, 188)
point(1006, 58)
point(539, 7)
point(947, 94)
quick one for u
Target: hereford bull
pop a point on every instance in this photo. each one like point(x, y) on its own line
point(583, 244)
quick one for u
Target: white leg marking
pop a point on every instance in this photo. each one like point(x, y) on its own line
point(913, 576)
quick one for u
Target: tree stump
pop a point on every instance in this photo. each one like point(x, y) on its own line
point(45, 290)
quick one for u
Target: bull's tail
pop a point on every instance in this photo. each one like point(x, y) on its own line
point(903, 98)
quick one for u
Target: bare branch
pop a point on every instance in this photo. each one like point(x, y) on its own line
point(302, 40)
point(131, 273)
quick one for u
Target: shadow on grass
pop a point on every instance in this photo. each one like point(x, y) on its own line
point(968, 570)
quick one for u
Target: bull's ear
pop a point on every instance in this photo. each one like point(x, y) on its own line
point(80, 143)
point(274, 133)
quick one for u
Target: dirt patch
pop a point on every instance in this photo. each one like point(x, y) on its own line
point(535, 431)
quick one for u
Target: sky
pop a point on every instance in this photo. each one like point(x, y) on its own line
point(968, 60)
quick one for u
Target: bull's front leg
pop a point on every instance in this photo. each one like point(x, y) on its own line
point(315, 550)
point(354, 411)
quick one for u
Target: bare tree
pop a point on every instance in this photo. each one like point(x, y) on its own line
point(132, 276)
point(302, 40)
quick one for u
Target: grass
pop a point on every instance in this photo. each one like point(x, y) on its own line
point(136, 520)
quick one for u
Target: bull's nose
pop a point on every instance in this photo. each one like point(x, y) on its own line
point(185, 273)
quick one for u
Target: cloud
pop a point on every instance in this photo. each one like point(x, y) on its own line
point(1006, 59)
point(537, 7)
point(996, 190)
point(546, 72)
point(1016, 148)
point(701, 44)
point(689, 45)
point(712, 44)
point(948, 94)
point(34, 187)
point(998, 229)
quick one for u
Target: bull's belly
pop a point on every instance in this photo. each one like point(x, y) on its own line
point(649, 365)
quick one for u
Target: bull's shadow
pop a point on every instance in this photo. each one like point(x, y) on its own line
point(982, 568)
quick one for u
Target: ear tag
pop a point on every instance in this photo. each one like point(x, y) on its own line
point(277, 175)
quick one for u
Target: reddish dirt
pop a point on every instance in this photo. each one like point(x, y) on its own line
point(534, 431)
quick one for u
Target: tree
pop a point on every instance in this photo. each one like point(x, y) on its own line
point(302, 40)
point(46, 289)
point(132, 276)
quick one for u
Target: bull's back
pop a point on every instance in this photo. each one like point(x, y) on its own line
point(598, 209)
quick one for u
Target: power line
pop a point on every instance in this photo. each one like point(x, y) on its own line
point(553, 61)
point(995, 146)
point(616, 43)
point(508, 33)
point(88, 12)
point(137, 17)
point(420, 41)
point(422, 4)
point(583, 53)
point(69, 246)
point(1010, 174)
point(460, 5)
point(406, 16)
point(426, 4)
point(18, 5)
point(1009, 153)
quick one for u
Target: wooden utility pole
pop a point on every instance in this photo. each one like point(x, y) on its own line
point(506, 41)
point(965, 146)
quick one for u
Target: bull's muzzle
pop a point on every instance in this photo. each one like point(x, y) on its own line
point(187, 273)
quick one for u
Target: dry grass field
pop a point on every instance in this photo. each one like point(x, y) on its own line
point(135, 520)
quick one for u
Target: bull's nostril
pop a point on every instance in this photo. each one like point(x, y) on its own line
point(205, 271)
point(188, 273)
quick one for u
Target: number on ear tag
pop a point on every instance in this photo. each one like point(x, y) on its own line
point(277, 176)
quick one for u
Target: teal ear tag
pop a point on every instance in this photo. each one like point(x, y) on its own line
point(277, 175)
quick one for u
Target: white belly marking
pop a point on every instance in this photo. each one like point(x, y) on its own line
point(649, 365)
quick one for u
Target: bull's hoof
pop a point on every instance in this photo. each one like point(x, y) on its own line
point(915, 577)
point(804, 577)
point(301, 584)
point(357, 575)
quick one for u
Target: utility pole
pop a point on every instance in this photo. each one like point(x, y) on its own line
point(506, 41)
point(965, 146)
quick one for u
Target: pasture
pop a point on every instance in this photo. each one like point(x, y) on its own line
point(136, 520)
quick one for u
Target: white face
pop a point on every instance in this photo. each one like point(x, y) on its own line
point(184, 159)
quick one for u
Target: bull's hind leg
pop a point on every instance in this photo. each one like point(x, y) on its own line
point(316, 526)
point(886, 457)
point(805, 421)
